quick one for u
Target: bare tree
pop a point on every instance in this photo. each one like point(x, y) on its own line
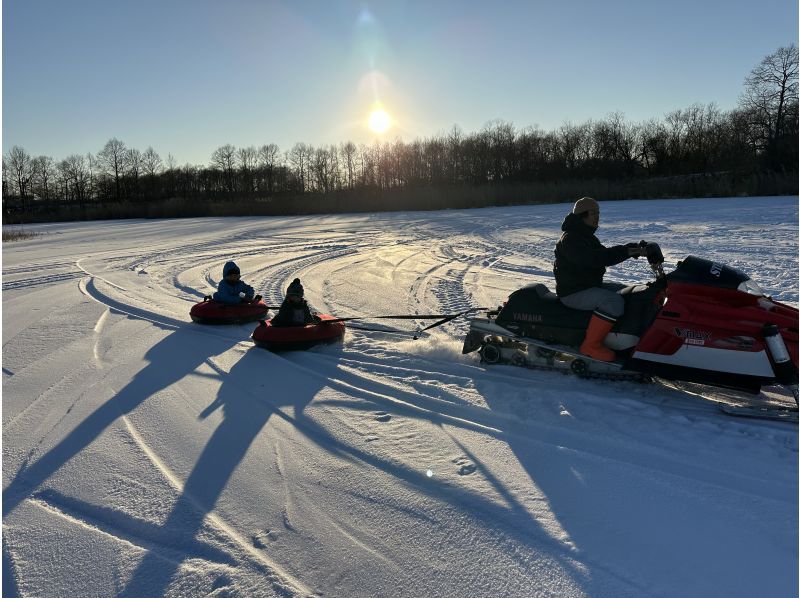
point(133, 162)
point(367, 177)
point(433, 155)
point(455, 140)
point(224, 158)
point(500, 135)
point(95, 169)
point(21, 166)
point(575, 145)
point(348, 152)
point(43, 175)
point(653, 146)
point(268, 161)
point(151, 165)
point(415, 165)
point(299, 157)
point(113, 157)
point(151, 162)
point(171, 175)
point(770, 91)
point(324, 166)
point(247, 158)
point(6, 176)
point(75, 171)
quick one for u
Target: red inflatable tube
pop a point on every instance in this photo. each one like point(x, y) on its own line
point(294, 338)
point(215, 312)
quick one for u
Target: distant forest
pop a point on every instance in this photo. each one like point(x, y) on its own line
point(698, 151)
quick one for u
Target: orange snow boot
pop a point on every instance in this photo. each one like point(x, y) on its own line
point(599, 326)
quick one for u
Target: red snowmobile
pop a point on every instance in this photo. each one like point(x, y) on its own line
point(703, 323)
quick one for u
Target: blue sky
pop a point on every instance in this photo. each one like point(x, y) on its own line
point(189, 76)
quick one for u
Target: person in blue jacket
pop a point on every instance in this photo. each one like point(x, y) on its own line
point(294, 310)
point(231, 288)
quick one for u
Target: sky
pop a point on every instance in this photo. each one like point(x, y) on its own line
point(187, 77)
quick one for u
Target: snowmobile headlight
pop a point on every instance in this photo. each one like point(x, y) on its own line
point(749, 286)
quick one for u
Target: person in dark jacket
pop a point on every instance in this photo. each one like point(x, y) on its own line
point(580, 264)
point(294, 310)
point(231, 289)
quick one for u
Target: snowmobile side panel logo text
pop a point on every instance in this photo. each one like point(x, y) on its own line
point(528, 317)
point(716, 270)
point(693, 337)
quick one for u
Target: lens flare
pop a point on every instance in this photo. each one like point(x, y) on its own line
point(379, 121)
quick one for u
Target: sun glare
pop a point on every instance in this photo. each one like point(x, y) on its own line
point(379, 121)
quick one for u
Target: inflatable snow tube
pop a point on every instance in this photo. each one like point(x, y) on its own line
point(215, 312)
point(298, 338)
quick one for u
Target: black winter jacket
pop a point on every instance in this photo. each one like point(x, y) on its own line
point(581, 259)
point(294, 314)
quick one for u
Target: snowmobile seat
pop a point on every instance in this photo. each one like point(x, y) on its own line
point(535, 311)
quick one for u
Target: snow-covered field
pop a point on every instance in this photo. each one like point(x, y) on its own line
point(145, 455)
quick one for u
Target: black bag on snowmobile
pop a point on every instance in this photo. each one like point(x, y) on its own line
point(534, 311)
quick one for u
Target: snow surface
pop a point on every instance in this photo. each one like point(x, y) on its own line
point(146, 455)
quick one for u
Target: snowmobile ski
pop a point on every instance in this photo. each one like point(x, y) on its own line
point(787, 414)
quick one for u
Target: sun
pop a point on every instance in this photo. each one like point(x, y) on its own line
point(379, 121)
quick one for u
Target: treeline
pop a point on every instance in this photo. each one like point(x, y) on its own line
point(757, 141)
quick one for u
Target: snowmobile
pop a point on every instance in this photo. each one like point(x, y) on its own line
point(704, 323)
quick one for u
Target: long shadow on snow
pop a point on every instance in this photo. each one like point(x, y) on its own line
point(514, 520)
point(245, 414)
point(607, 491)
point(170, 360)
point(552, 458)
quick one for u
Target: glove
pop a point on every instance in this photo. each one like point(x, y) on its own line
point(257, 298)
point(635, 250)
point(207, 298)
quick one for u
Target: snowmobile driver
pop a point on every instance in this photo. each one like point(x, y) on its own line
point(579, 267)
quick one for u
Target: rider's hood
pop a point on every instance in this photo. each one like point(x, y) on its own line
point(228, 267)
point(575, 223)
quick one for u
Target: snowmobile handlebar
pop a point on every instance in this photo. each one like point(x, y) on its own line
point(653, 252)
point(654, 257)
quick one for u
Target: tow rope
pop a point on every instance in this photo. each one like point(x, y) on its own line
point(441, 318)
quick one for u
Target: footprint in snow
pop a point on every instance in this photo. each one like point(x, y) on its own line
point(467, 469)
point(223, 581)
point(466, 466)
point(262, 538)
point(382, 416)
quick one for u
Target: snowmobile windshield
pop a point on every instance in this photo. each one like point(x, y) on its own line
point(749, 286)
point(695, 270)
